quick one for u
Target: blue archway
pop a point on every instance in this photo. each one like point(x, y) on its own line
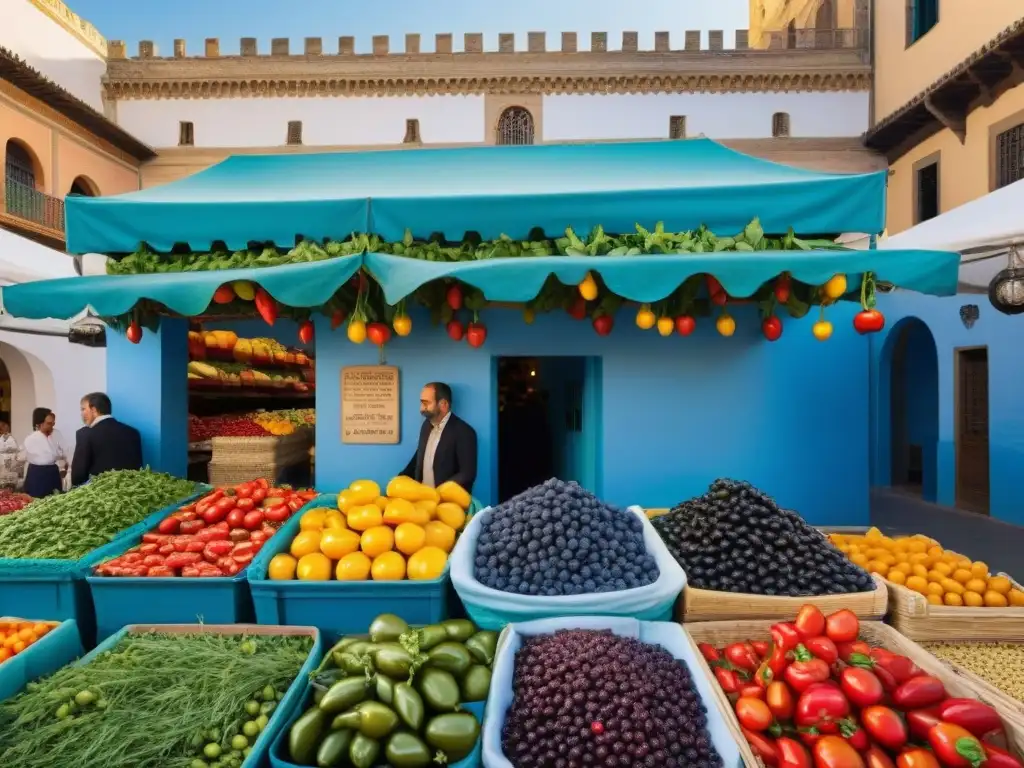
point(908, 410)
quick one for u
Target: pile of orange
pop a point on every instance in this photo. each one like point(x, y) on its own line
point(16, 636)
point(406, 534)
point(921, 564)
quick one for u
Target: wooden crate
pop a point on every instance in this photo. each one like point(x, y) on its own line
point(711, 605)
point(918, 619)
point(989, 690)
point(721, 633)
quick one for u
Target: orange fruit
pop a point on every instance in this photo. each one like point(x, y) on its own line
point(388, 566)
point(859, 559)
point(41, 629)
point(5, 654)
point(919, 570)
point(315, 566)
point(918, 584)
point(935, 576)
point(995, 599)
point(305, 543)
point(973, 599)
point(440, 535)
point(427, 564)
point(952, 598)
point(377, 540)
point(944, 568)
point(312, 520)
point(282, 567)
point(410, 538)
point(979, 570)
point(19, 646)
point(976, 585)
point(934, 599)
point(934, 588)
point(897, 577)
point(338, 542)
point(353, 567)
point(1016, 598)
point(953, 587)
point(1000, 584)
point(27, 634)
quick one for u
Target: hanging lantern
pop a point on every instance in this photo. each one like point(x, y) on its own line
point(1006, 291)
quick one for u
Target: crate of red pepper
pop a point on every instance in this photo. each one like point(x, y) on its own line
point(834, 692)
point(192, 565)
point(11, 501)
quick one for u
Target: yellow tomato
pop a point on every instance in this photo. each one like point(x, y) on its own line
point(363, 518)
point(836, 287)
point(313, 520)
point(363, 492)
point(334, 520)
point(338, 542)
point(388, 566)
point(822, 330)
point(588, 288)
point(725, 324)
point(306, 543)
point(314, 567)
point(427, 564)
point(439, 535)
point(430, 507)
point(281, 568)
point(353, 567)
point(402, 511)
point(345, 502)
point(410, 538)
point(382, 502)
point(402, 325)
point(666, 325)
point(356, 331)
point(377, 540)
point(645, 319)
point(452, 515)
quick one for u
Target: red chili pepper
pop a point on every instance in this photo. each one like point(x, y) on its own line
point(773, 667)
point(708, 651)
point(266, 306)
point(975, 716)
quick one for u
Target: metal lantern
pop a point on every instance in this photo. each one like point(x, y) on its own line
point(969, 315)
point(89, 332)
point(1006, 291)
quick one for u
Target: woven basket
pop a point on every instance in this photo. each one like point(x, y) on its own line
point(233, 474)
point(269, 448)
point(721, 633)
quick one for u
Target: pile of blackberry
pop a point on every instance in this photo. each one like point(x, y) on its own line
point(735, 538)
point(559, 539)
point(590, 698)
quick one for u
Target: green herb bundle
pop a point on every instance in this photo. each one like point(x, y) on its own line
point(154, 701)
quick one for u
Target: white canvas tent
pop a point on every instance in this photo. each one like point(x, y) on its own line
point(983, 231)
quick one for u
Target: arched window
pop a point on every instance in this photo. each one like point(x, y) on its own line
point(515, 126)
point(82, 186)
point(19, 165)
point(825, 26)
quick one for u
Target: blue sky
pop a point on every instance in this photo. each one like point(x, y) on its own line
point(229, 20)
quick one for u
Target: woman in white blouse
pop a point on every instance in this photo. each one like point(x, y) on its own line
point(43, 452)
point(11, 465)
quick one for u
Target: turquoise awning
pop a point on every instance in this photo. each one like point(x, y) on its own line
point(489, 190)
point(637, 278)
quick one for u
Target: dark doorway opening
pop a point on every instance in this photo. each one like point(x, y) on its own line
point(914, 411)
point(547, 425)
point(972, 427)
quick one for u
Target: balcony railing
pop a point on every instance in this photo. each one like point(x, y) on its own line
point(821, 39)
point(27, 203)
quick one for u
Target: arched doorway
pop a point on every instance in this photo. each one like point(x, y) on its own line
point(29, 383)
point(913, 375)
point(5, 389)
point(515, 126)
point(21, 166)
point(83, 186)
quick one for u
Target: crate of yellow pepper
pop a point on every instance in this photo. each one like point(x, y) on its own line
point(367, 546)
point(937, 593)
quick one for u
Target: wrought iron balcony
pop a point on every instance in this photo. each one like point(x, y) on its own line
point(24, 202)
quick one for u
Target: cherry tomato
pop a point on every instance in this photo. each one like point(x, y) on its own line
point(835, 752)
point(861, 686)
point(821, 708)
point(792, 754)
point(822, 648)
point(762, 647)
point(842, 626)
point(709, 652)
point(884, 726)
point(876, 757)
point(753, 714)
point(917, 757)
point(751, 691)
point(780, 700)
point(809, 621)
point(956, 747)
point(762, 746)
point(846, 650)
point(855, 736)
point(976, 716)
point(999, 758)
point(246, 505)
point(743, 656)
point(920, 721)
point(802, 674)
point(918, 692)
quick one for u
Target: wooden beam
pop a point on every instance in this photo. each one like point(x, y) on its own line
point(986, 96)
point(955, 123)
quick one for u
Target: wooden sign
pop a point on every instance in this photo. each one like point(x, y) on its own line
point(370, 405)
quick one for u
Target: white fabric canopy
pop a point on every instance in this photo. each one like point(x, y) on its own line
point(982, 230)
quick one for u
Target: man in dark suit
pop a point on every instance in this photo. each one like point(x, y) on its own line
point(447, 446)
point(103, 443)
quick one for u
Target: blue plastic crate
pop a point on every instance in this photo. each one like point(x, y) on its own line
point(56, 648)
point(285, 711)
point(340, 607)
point(119, 601)
point(279, 757)
point(57, 589)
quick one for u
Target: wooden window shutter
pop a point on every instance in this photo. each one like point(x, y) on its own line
point(294, 131)
point(186, 134)
point(780, 125)
point(412, 131)
point(677, 127)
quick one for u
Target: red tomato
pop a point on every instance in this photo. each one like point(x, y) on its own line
point(753, 714)
point(253, 520)
point(900, 667)
point(259, 494)
point(977, 717)
point(868, 321)
point(153, 538)
point(295, 503)
point(876, 757)
point(751, 691)
point(148, 549)
point(245, 505)
point(855, 736)
point(214, 514)
point(476, 335)
point(771, 328)
point(226, 504)
point(780, 700)
point(727, 679)
point(918, 692)
point(835, 752)
point(151, 560)
point(158, 571)
point(169, 525)
point(822, 709)
point(916, 757)
point(792, 754)
point(190, 572)
point(809, 621)
point(884, 726)
point(709, 652)
point(920, 721)
point(685, 325)
point(743, 656)
point(762, 746)
point(277, 514)
point(861, 686)
point(802, 674)
point(761, 647)
point(455, 329)
point(999, 758)
point(956, 747)
point(842, 626)
point(244, 490)
point(822, 648)
point(846, 650)
point(235, 517)
point(191, 526)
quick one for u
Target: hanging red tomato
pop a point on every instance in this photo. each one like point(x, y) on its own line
point(378, 333)
point(476, 335)
point(771, 327)
point(224, 295)
point(868, 321)
point(578, 309)
point(306, 332)
point(603, 324)
point(685, 325)
point(454, 297)
point(455, 330)
point(266, 306)
point(783, 287)
point(134, 332)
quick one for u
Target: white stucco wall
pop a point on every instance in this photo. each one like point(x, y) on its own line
point(716, 115)
point(49, 372)
point(50, 48)
point(264, 122)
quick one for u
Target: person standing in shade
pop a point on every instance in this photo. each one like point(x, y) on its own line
point(45, 456)
point(104, 443)
point(447, 445)
point(12, 466)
